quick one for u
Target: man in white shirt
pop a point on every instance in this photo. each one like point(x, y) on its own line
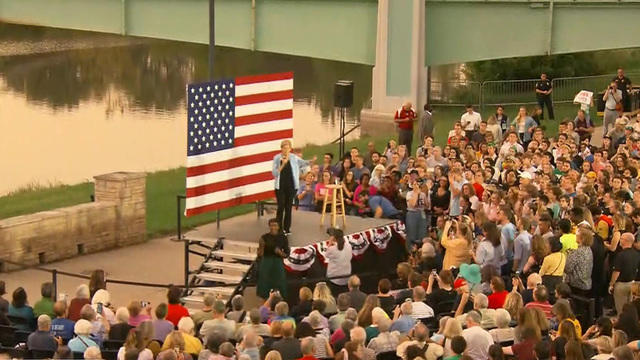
point(420, 309)
point(470, 121)
point(511, 142)
point(612, 96)
point(478, 339)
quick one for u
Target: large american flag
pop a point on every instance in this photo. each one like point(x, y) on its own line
point(235, 127)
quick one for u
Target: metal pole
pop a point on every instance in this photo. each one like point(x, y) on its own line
point(550, 40)
point(218, 219)
point(179, 216)
point(429, 85)
point(212, 36)
point(186, 266)
point(54, 281)
point(253, 25)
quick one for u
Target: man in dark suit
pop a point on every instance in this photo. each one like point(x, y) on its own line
point(288, 346)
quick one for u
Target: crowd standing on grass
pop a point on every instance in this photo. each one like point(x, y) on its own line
point(512, 232)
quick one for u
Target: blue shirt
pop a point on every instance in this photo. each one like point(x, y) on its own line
point(296, 164)
point(508, 234)
point(378, 201)
point(306, 203)
point(454, 205)
point(403, 324)
point(62, 327)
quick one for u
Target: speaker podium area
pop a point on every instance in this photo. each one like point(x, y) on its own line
point(335, 195)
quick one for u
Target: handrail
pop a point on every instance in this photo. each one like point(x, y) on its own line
point(56, 272)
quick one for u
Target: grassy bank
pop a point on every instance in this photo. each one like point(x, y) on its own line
point(163, 186)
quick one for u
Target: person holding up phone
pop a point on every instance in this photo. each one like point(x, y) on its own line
point(612, 97)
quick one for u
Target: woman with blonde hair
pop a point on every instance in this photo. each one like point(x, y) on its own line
point(524, 125)
point(322, 292)
point(304, 305)
point(451, 329)
point(513, 303)
point(458, 244)
point(273, 355)
point(619, 225)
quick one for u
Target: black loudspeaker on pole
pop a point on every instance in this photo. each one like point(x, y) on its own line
point(343, 99)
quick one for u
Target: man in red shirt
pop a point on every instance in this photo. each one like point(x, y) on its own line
point(540, 301)
point(404, 117)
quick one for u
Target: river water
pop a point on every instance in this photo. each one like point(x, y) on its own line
point(77, 104)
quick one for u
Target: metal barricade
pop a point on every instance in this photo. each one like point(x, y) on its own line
point(508, 92)
point(565, 89)
point(455, 93)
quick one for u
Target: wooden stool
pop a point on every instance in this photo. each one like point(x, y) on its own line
point(337, 203)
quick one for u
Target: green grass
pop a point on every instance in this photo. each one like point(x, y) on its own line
point(163, 186)
point(33, 199)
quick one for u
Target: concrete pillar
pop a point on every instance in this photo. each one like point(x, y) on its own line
point(400, 73)
point(128, 191)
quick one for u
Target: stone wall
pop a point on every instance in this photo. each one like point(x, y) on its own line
point(116, 218)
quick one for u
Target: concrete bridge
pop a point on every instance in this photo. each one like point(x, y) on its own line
point(399, 37)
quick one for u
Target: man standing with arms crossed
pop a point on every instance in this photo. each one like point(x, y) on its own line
point(543, 94)
point(404, 117)
point(624, 85)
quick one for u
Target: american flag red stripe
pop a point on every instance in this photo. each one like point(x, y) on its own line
point(262, 118)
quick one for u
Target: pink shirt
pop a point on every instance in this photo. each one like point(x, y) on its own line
point(372, 191)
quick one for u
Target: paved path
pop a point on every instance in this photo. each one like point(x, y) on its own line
point(161, 260)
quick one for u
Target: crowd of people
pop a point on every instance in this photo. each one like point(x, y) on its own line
point(547, 221)
point(511, 230)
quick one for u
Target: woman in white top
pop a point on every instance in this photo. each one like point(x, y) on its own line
point(338, 257)
point(503, 332)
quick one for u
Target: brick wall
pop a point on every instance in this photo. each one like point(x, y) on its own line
point(116, 218)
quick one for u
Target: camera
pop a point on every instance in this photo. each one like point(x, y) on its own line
point(144, 304)
point(434, 272)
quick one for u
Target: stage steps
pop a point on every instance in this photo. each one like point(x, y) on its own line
point(224, 270)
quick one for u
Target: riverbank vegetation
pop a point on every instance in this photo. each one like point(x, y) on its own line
point(163, 186)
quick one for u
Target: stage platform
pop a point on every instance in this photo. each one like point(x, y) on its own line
point(305, 227)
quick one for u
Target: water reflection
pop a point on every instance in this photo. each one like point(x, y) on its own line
point(117, 103)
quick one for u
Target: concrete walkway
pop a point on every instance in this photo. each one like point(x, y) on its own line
point(161, 260)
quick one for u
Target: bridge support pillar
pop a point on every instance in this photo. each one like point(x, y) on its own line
point(400, 73)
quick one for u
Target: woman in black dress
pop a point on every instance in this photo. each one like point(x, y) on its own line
point(272, 249)
point(440, 198)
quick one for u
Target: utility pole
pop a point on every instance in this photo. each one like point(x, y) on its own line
point(212, 36)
